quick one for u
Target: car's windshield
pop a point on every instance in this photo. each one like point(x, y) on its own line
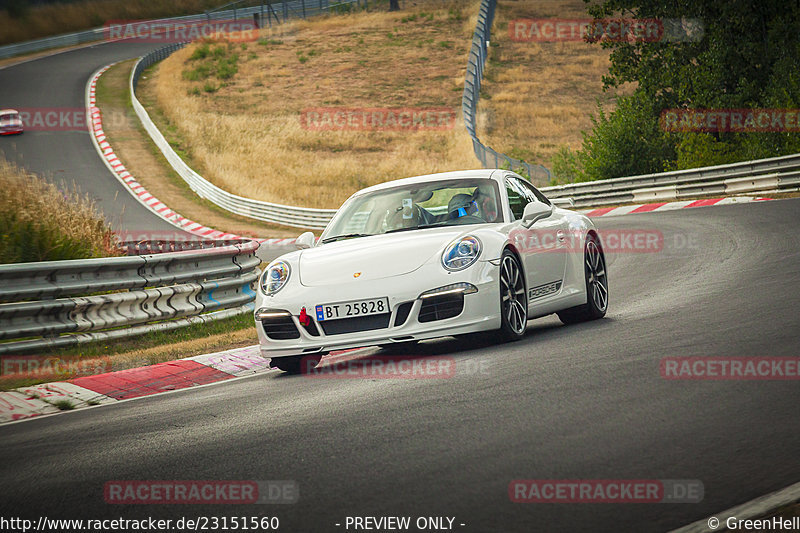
point(7, 117)
point(417, 206)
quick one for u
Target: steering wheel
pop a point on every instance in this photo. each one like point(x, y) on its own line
point(466, 219)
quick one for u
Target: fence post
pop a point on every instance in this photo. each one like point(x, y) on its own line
point(285, 11)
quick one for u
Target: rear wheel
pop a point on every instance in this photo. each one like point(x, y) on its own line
point(296, 363)
point(594, 266)
point(513, 300)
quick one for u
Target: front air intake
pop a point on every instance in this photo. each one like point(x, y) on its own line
point(441, 307)
point(280, 328)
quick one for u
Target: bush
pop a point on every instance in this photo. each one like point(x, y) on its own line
point(201, 52)
point(42, 223)
point(206, 61)
point(625, 142)
point(696, 150)
point(227, 68)
point(198, 73)
point(566, 167)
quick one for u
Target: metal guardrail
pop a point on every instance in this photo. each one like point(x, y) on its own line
point(478, 53)
point(772, 174)
point(56, 303)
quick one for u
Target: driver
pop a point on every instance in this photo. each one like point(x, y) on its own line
point(461, 205)
point(484, 197)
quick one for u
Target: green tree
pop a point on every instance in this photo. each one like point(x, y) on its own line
point(745, 57)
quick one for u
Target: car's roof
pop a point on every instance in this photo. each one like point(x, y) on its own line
point(6, 111)
point(442, 176)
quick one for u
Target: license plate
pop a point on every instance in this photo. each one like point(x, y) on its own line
point(374, 306)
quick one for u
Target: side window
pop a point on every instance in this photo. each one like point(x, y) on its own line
point(517, 197)
point(535, 192)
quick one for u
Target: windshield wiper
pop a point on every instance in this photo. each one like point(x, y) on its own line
point(345, 236)
point(423, 226)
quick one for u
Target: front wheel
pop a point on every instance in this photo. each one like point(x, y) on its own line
point(594, 263)
point(513, 300)
point(296, 363)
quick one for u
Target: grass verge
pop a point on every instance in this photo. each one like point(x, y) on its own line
point(236, 110)
point(145, 162)
point(147, 349)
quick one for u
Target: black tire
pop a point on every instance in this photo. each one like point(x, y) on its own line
point(513, 298)
point(401, 347)
point(296, 364)
point(596, 278)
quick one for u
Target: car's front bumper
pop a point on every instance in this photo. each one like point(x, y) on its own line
point(480, 309)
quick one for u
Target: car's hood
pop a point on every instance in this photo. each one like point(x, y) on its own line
point(374, 257)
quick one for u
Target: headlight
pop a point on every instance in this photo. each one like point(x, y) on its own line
point(461, 253)
point(275, 277)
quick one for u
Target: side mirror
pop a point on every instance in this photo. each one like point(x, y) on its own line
point(565, 202)
point(534, 212)
point(306, 240)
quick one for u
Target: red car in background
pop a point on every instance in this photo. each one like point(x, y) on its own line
point(10, 123)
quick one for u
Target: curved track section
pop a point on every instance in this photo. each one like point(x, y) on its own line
point(566, 402)
point(59, 82)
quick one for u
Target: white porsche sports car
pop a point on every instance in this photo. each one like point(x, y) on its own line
point(430, 256)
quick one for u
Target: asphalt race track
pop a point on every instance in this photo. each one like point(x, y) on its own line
point(566, 402)
point(58, 83)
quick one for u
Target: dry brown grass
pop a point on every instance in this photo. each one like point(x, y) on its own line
point(52, 19)
point(247, 136)
point(143, 159)
point(38, 222)
point(539, 96)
